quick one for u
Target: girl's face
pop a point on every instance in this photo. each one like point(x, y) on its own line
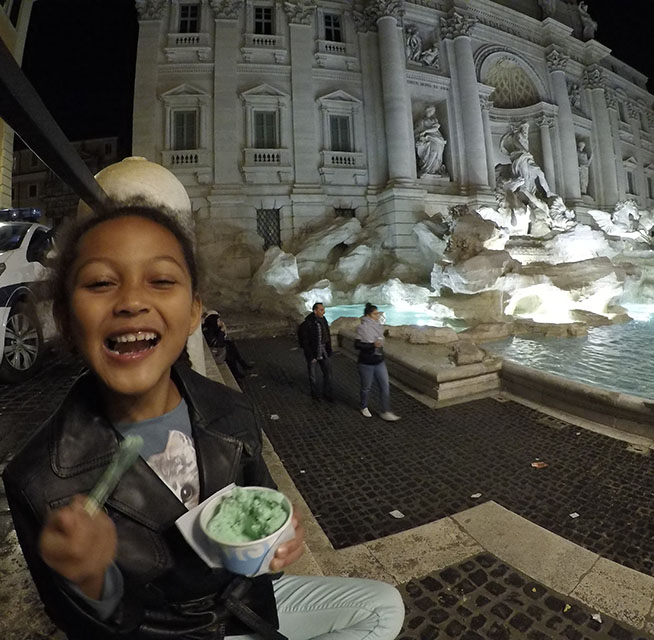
point(131, 305)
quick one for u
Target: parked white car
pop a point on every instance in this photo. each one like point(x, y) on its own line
point(23, 248)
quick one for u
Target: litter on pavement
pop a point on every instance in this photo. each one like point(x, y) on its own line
point(396, 514)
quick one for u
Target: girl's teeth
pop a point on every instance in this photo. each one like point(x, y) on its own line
point(134, 337)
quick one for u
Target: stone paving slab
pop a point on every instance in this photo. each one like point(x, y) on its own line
point(354, 471)
point(483, 598)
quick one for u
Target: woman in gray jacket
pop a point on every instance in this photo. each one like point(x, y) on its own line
point(370, 343)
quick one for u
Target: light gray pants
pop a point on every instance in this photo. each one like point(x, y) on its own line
point(317, 608)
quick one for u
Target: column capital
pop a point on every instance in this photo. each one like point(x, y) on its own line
point(557, 61)
point(594, 78)
point(386, 8)
point(634, 109)
point(226, 9)
point(611, 98)
point(457, 24)
point(545, 121)
point(485, 103)
point(150, 9)
point(300, 12)
point(363, 22)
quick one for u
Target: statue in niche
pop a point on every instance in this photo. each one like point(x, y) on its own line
point(430, 144)
point(431, 57)
point(526, 175)
point(574, 92)
point(548, 7)
point(412, 43)
point(589, 26)
point(584, 159)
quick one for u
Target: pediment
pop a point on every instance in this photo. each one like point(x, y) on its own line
point(184, 90)
point(339, 96)
point(264, 90)
point(630, 161)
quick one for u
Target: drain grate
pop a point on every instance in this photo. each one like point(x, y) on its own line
point(554, 423)
point(486, 599)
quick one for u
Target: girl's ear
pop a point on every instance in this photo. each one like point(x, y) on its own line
point(196, 313)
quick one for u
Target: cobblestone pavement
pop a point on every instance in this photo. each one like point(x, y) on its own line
point(25, 406)
point(483, 598)
point(354, 471)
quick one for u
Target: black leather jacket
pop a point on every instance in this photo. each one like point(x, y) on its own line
point(169, 591)
point(309, 336)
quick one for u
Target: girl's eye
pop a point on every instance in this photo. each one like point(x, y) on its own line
point(163, 282)
point(99, 284)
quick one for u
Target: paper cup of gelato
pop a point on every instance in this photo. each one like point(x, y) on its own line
point(247, 525)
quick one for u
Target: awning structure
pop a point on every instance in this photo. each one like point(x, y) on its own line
point(23, 110)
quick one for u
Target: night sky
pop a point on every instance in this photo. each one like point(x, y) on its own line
point(80, 57)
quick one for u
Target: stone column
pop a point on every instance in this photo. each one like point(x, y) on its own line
point(633, 113)
point(614, 118)
point(456, 30)
point(486, 106)
point(556, 63)
point(376, 148)
point(145, 81)
point(594, 81)
point(305, 145)
point(227, 111)
point(544, 124)
point(396, 100)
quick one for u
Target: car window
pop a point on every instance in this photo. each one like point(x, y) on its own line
point(39, 246)
point(11, 235)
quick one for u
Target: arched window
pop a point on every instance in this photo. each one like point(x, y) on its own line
point(513, 87)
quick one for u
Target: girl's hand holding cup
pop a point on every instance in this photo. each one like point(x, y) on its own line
point(79, 546)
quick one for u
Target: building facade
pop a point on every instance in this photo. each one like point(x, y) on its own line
point(37, 186)
point(275, 114)
point(14, 20)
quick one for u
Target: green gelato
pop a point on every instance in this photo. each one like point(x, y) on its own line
point(244, 516)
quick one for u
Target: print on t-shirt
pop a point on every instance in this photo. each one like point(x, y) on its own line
point(177, 466)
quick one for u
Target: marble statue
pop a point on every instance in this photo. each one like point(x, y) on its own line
point(430, 144)
point(584, 159)
point(548, 7)
point(431, 57)
point(589, 26)
point(412, 43)
point(525, 173)
point(574, 92)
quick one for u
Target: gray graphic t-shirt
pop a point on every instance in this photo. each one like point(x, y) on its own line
point(169, 450)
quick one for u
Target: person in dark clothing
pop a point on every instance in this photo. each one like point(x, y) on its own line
point(223, 348)
point(316, 342)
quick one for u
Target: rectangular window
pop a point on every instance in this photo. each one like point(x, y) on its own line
point(333, 31)
point(340, 212)
point(263, 21)
point(108, 149)
point(340, 133)
point(650, 188)
point(268, 227)
point(185, 130)
point(189, 18)
point(631, 187)
point(265, 130)
point(32, 191)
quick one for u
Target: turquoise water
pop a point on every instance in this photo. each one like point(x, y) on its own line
point(618, 357)
point(394, 317)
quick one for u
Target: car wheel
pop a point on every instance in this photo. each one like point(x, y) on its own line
point(23, 344)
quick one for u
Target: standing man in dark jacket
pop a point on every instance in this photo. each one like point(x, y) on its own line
point(316, 343)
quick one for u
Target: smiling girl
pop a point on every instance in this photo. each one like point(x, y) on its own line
point(125, 297)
